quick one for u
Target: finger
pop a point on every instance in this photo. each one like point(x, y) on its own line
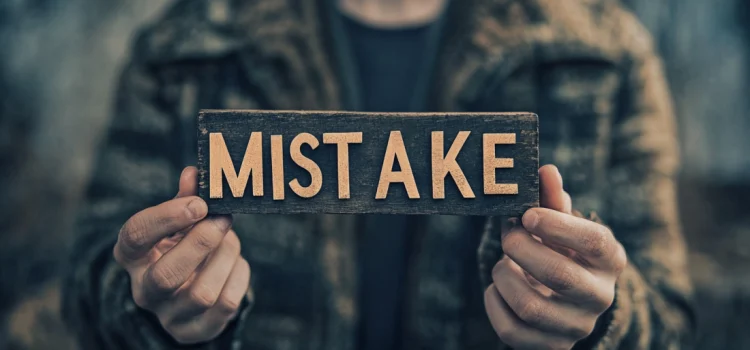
point(507, 225)
point(144, 229)
point(512, 330)
point(233, 293)
point(543, 312)
point(568, 207)
point(188, 187)
point(549, 267)
point(593, 242)
point(204, 291)
point(168, 274)
point(188, 182)
point(552, 194)
point(511, 223)
point(212, 322)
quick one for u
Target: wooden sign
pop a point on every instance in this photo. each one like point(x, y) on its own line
point(350, 162)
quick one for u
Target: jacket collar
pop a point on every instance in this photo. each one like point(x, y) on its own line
point(497, 37)
point(287, 48)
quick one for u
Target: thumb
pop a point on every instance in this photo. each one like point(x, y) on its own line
point(552, 194)
point(188, 187)
point(188, 182)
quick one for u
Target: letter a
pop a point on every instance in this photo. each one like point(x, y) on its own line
point(396, 151)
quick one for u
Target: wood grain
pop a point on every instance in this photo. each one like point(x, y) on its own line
point(335, 162)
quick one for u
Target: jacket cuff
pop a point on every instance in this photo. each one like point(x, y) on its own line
point(615, 325)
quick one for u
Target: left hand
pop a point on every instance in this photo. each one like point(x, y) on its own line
point(557, 276)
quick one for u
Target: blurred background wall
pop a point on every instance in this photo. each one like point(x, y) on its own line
point(60, 59)
point(706, 49)
point(58, 65)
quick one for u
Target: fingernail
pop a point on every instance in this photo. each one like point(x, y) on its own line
point(197, 208)
point(223, 222)
point(507, 225)
point(530, 219)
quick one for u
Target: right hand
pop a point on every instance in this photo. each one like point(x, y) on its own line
point(184, 267)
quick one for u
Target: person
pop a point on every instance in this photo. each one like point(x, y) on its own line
point(153, 271)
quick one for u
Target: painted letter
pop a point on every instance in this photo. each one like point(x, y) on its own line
point(396, 151)
point(277, 167)
point(491, 163)
point(221, 163)
point(342, 140)
point(441, 167)
point(316, 177)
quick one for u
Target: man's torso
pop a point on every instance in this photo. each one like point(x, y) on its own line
point(517, 56)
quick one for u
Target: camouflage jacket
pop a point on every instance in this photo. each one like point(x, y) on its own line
point(585, 66)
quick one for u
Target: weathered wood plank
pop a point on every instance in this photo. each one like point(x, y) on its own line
point(333, 162)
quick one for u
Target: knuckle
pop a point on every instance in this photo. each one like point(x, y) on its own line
point(133, 233)
point(598, 243)
point(603, 300)
point(202, 296)
point(162, 279)
point(578, 331)
point(499, 269)
point(233, 244)
point(509, 335)
point(620, 260)
point(139, 298)
point(205, 241)
point(512, 243)
point(584, 331)
point(227, 305)
point(531, 311)
point(608, 298)
point(562, 276)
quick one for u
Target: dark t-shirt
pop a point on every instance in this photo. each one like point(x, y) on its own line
point(390, 65)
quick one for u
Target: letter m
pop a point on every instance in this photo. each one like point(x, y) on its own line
point(220, 164)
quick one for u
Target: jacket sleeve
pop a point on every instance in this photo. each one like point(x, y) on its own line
point(138, 166)
point(652, 307)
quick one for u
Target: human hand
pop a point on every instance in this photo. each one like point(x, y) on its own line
point(184, 267)
point(557, 276)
